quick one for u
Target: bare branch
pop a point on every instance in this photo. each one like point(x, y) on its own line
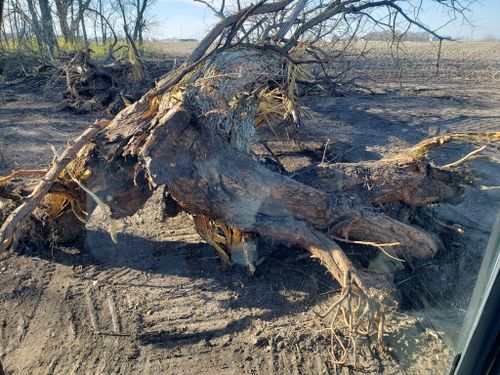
point(230, 21)
point(288, 24)
point(218, 13)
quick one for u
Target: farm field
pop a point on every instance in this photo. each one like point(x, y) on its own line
point(159, 301)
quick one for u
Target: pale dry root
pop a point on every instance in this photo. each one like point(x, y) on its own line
point(354, 316)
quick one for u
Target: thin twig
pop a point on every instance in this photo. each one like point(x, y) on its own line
point(324, 152)
point(275, 157)
point(241, 21)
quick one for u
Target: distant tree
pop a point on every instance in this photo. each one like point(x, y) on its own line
point(75, 21)
point(140, 7)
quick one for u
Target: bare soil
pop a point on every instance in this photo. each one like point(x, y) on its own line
point(158, 301)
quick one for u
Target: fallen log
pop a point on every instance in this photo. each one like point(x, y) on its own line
point(192, 136)
point(195, 139)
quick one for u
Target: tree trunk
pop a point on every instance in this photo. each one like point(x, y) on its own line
point(62, 7)
point(195, 139)
point(77, 19)
point(47, 27)
point(81, 10)
point(103, 24)
point(35, 24)
point(139, 20)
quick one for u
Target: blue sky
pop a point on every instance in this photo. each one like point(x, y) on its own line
point(484, 16)
point(187, 19)
point(181, 19)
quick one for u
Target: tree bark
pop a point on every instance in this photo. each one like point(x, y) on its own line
point(47, 27)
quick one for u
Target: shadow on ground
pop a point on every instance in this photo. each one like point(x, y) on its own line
point(286, 283)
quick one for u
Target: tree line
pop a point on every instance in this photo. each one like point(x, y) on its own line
point(50, 27)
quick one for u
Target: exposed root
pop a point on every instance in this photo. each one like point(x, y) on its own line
point(483, 187)
point(209, 231)
point(232, 245)
point(94, 86)
point(379, 246)
point(354, 316)
point(453, 228)
point(420, 150)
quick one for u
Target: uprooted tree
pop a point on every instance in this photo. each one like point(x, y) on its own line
point(194, 136)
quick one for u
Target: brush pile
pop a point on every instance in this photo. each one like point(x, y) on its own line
point(94, 86)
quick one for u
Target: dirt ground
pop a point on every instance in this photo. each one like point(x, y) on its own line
point(158, 301)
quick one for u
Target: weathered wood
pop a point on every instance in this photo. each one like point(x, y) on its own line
point(413, 181)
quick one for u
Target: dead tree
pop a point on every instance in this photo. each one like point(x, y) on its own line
point(196, 138)
point(194, 135)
